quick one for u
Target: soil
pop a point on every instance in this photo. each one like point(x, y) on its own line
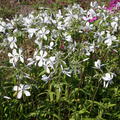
point(26, 6)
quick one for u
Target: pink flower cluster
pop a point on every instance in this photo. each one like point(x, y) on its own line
point(113, 5)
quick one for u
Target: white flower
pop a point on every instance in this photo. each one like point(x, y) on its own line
point(60, 25)
point(41, 58)
point(67, 37)
point(88, 26)
point(12, 41)
point(27, 21)
point(2, 29)
point(90, 49)
point(70, 15)
point(59, 15)
point(2, 26)
point(114, 26)
point(94, 4)
point(32, 60)
point(9, 26)
point(42, 33)
point(66, 71)
point(99, 35)
point(45, 19)
point(49, 64)
point(109, 39)
point(31, 32)
point(107, 79)
point(90, 14)
point(45, 78)
point(22, 89)
point(14, 57)
point(50, 46)
point(98, 64)
point(39, 43)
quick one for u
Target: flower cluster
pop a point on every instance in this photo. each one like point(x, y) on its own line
point(114, 5)
point(64, 41)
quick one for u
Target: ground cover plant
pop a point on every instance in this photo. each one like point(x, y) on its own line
point(61, 65)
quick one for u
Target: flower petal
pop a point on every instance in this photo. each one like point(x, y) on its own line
point(27, 87)
point(19, 95)
point(45, 54)
point(10, 55)
point(15, 88)
point(27, 93)
point(21, 59)
point(41, 52)
point(14, 52)
point(40, 63)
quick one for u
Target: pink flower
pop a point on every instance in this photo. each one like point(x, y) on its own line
point(93, 19)
point(113, 5)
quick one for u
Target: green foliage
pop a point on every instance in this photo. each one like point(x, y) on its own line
point(7, 12)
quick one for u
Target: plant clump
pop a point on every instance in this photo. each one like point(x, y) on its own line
point(61, 65)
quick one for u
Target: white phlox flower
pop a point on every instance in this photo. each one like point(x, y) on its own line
point(45, 78)
point(70, 15)
point(66, 71)
point(2, 29)
point(90, 49)
point(12, 41)
point(40, 58)
point(109, 39)
point(115, 23)
point(32, 60)
point(107, 79)
point(49, 64)
point(39, 42)
point(60, 25)
point(31, 32)
point(99, 36)
point(88, 26)
point(43, 33)
point(59, 15)
point(50, 46)
point(2, 26)
point(9, 26)
point(21, 89)
point(44, 18)
point(27, 21)
point(98, 64)
point(90, 14)
point(67, 37)
point(14, 56)
point(94, 4)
